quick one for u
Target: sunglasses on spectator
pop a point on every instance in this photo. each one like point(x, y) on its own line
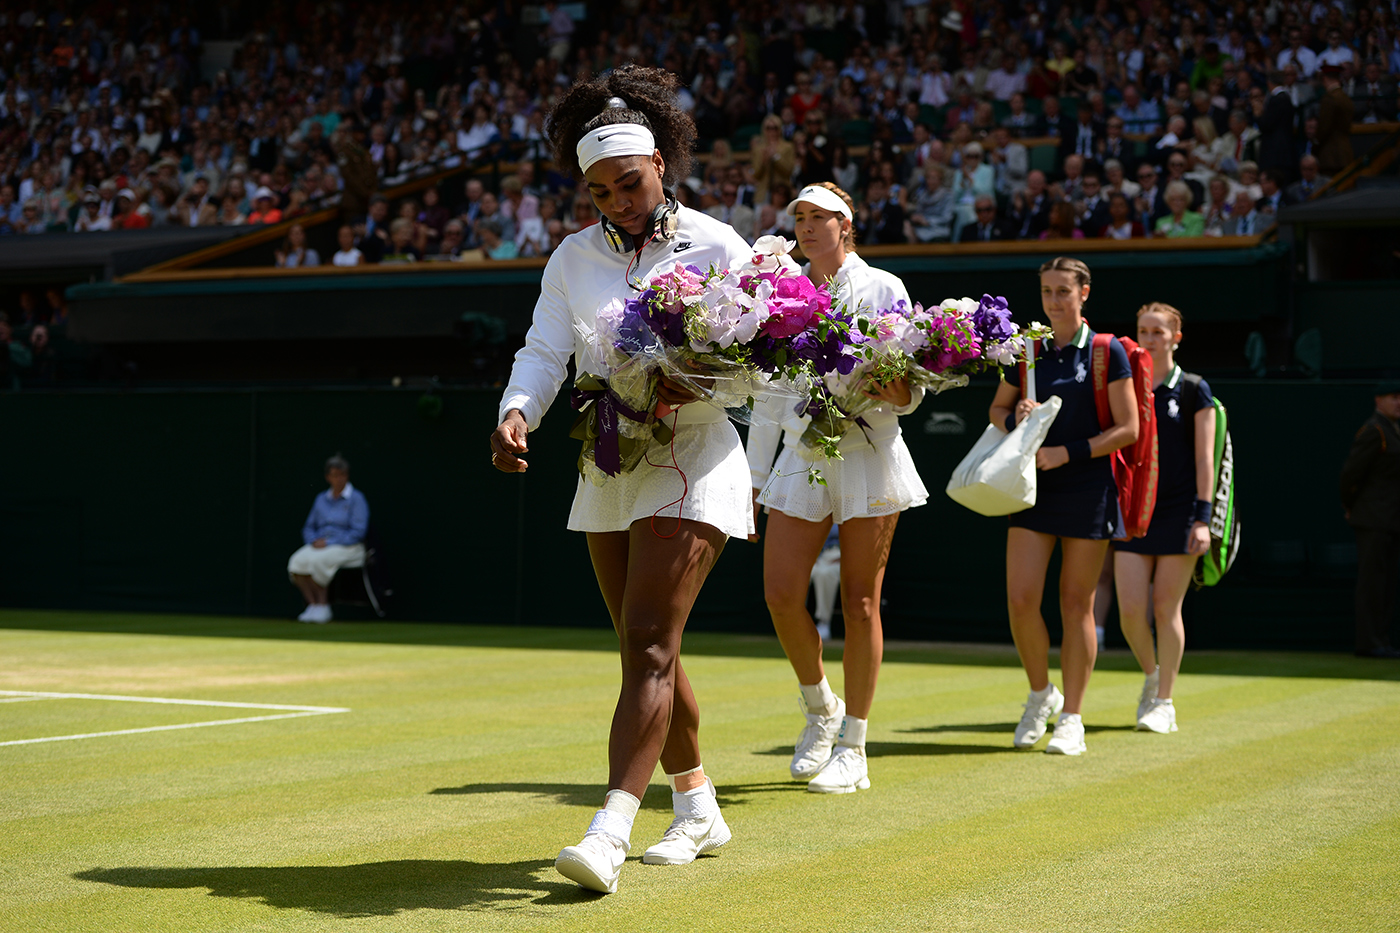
point(985, 210)
point(1147, 176)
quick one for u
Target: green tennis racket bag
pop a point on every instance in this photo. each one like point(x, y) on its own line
point(1224, 518)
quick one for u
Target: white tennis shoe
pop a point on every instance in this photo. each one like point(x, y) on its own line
point(814, 744)
point(594, 863)
point(1150, 684)
point(318, 613)
point(1160, 717)
point(844, 773)
point(1068, 738)
point(1038, 712)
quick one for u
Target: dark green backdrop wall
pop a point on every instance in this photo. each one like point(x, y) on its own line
point(192, 501)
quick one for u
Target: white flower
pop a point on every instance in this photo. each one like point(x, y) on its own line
point(770, 255)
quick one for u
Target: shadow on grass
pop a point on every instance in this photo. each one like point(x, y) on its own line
point(600, 637)
point(904, 749)
point(374, 889)
point(658, 798)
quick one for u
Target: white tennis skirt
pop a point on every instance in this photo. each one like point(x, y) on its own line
point(715, 490)
point(321, 563)
point(870, 480)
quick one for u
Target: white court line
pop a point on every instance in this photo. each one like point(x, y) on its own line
point(297, 711)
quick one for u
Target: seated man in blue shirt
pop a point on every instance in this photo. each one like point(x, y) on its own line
point(334, 536)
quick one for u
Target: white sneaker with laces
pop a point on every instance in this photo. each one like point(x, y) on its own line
point(845, 772)
point(1160, 717)
point(307, 614)
point(1149, 691)
point(814, 744)
point(697, 830)
point(594, 863)
point(1032, 724)
point(1068, 738)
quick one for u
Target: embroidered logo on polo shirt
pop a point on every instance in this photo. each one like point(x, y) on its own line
point(1173, 410)
point(1080, 373)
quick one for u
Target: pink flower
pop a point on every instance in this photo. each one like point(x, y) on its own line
point(794, 305)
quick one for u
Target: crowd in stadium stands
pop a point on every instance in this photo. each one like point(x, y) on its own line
point(947, 122)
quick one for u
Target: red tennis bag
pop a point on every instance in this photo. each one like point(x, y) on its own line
point(1134, 467)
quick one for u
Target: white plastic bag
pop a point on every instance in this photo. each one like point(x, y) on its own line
point(997, 477)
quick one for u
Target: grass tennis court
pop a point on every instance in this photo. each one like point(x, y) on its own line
point(470, 755)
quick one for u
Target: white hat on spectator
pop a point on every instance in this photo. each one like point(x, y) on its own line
point(264, 192)
point(127, 193)
point(952, 21)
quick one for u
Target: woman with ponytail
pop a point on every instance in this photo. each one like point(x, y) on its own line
point(1076, 504)
point(863, 494)
point(1156, 569)
point(623, 136)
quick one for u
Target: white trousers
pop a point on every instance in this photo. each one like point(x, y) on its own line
point(321, 563)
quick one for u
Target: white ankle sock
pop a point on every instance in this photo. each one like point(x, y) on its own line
point(615, 819)
point(818, 698)
point(852, 732)
point(1042, 694)
point(1069, 718)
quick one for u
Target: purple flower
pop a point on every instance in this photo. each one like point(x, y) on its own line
point(992, 319)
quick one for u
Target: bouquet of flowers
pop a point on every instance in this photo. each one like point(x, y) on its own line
point(935, 349)
point(759, 327)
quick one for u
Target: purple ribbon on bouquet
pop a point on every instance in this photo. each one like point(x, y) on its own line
point(607, 452)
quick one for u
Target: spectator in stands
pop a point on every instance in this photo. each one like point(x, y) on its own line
point(1297, 54)
point(1374, 95)
point(730, 211)
point(347, 255)
point(1334, 119)
point(1030, 208)
point(264, 209)
point(401, 247)
point(127, 213)
point(1150, 203)
point(1021, 122)
point(1271, 198)
point(973, 179)
point(986, 228)
point(1113, 145)
point(1176, 171)
point(1244, 219)
point(1309, 183)
point(1115, 180)
point(1053, 123)
point(493, 241)
point(294, 253)
point(1181, 221)
point(931, 206)
point(1139, 116)
point(1216, 212)
point(1005, 80)
point(91, 216)
point(1122, 225)
point(1072, 184)
point(453, 242)
point(1009, 160)
point(1085, 139)
point(332, 537)
point(1060, 223)
point(1092, 208)
point(880, 219)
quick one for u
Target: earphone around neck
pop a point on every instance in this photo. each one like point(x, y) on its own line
point(661, 225)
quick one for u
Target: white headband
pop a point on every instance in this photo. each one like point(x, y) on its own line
point(823, 197)
point(614, 139)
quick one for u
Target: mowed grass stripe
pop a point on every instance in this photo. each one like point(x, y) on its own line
point(471, 760)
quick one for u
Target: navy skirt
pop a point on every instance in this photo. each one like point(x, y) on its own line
point(1166, 533)
point(1087, 511)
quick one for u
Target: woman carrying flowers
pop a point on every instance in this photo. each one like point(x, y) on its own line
point(863, 493)
point(1156, 569)
point(624, 136)
point(1076, 504)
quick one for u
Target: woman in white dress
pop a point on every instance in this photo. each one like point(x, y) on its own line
point(628, 142)
point(864, 493)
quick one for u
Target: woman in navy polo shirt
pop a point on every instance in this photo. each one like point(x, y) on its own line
point(1076, 504)
point(1158, 566)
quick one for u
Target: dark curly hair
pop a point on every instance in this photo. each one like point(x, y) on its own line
point(650, 94)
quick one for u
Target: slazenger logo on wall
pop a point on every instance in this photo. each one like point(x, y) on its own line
point(945, 422)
